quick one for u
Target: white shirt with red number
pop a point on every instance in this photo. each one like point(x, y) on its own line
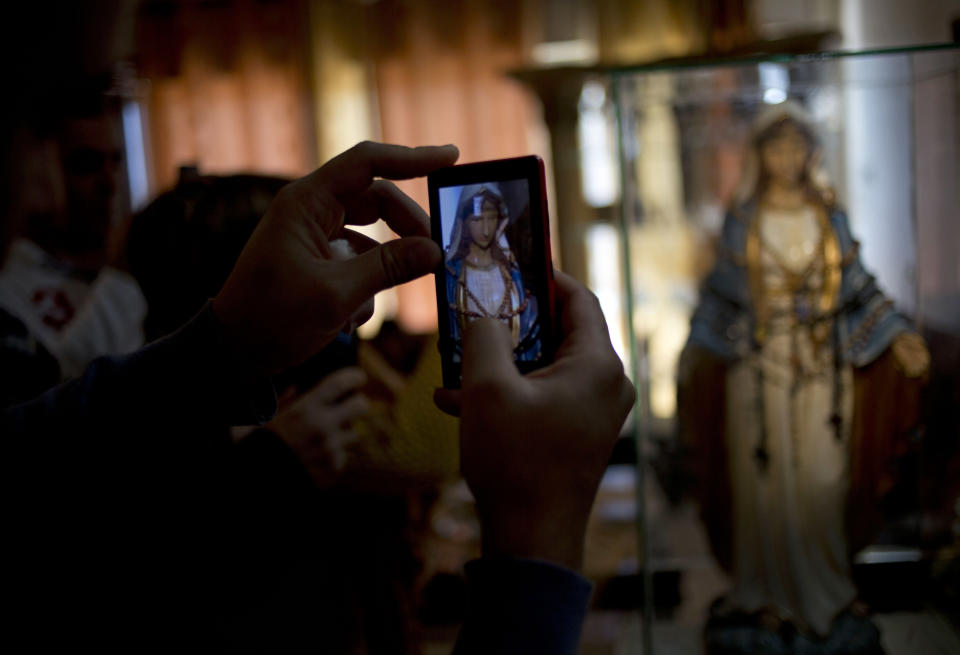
point(75, 319)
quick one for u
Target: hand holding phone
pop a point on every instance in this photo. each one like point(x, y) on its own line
point(533, 448)
point(490, 219)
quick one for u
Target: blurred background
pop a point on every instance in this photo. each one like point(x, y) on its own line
point(642, 111)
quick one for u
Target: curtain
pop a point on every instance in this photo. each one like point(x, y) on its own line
point(278, 87)
point(227, 88)
point(440, 77)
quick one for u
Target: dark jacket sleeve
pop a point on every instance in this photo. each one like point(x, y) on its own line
point(27, 369)
point(126, 481)
point(523, 606)
point(139, 435)
point(188, 376)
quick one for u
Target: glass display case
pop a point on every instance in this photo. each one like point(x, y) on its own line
point(773, 240)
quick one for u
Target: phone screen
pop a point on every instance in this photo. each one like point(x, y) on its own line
point(490, 221)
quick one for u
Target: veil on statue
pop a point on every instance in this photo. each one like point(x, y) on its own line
point(474, 193)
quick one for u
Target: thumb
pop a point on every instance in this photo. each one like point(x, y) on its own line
point(487, 353)
point(388, 265)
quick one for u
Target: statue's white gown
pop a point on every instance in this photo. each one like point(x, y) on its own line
point(790, 554)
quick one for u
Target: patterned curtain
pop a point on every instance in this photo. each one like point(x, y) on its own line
point(228, 89)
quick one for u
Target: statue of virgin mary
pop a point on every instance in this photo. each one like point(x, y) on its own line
point(786, 318)
point(483, 277)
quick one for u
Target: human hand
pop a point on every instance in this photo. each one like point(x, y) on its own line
point(911, 354)
point(533, 448)
point(288, 294)
point(318, 425)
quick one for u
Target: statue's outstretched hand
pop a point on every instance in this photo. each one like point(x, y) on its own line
point(911, 354)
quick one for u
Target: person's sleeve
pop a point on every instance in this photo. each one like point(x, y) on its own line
point(721, 321)
point(191, 375)
point(270, 469)
point(27, 369)
point(867, 321)
point(522, 606)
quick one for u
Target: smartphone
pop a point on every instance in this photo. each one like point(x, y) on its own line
point(490, 219)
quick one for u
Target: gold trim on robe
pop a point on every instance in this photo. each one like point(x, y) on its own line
point(832, 270)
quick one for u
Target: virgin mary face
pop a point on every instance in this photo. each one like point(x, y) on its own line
point(785, 156)
point(483, 226)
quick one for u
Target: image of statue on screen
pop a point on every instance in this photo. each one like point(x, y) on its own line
point(484, 278)
point(786, 344)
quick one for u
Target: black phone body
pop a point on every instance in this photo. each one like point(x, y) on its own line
point(490, 219)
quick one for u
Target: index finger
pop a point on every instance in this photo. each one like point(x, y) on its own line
point(354, 170)
point(382, 199)
point(487, 353)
